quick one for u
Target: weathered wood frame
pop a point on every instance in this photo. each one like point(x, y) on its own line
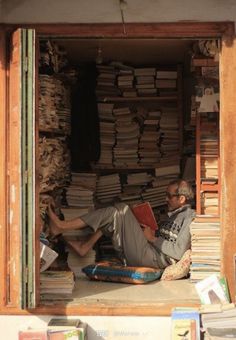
point(221, 30)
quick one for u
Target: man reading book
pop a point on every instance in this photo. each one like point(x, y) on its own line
point(134, 245)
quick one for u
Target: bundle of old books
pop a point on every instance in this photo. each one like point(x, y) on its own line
point(54, 163)
point(205, 244)
point(56, 285)
point(57, 329)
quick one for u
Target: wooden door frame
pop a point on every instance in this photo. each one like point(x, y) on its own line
point(197, 30)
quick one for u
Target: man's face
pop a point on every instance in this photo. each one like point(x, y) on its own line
point(174, 201)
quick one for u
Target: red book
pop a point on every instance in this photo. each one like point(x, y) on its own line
point(144, 214)
point(33, 334)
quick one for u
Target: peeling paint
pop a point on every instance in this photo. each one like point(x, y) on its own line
point(13, 193)
point(11, 216)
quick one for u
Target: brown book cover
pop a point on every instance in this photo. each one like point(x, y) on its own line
point(144, 214)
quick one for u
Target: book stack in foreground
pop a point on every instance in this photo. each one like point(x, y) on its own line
point(205, 256)
point(56, 285)
point(220, 325)
point(57, 329)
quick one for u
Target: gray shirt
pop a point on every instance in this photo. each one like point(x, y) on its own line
point(173, 237)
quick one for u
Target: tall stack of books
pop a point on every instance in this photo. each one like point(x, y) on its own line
point(169, 127)
point(107, 133)
point(125, 151)
point(205, 255)
point(149, 150)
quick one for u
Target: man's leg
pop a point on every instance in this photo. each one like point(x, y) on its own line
point(83, 247)
point(57, 226)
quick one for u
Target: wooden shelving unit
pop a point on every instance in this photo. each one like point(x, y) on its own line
point(203, 188)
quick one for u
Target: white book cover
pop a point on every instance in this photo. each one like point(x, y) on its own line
point(211, 291)
point(47, 256)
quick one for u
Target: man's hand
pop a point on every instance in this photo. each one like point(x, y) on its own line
point(149, 234)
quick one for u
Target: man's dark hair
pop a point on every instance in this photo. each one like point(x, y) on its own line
point(183, 188)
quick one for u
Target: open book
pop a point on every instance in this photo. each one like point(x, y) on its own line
point(144, 214)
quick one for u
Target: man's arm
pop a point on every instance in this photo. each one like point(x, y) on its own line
point(183, 242)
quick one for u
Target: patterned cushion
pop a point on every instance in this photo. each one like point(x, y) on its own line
point(116, 273)
point(178, 270)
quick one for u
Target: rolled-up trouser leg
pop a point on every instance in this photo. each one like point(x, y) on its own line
point(137, 250)
point(127, 236)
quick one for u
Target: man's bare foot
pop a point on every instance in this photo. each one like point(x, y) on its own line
point(54, 222)
point(80, 247)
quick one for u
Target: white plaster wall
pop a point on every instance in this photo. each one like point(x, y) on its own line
point(104, 11)
point(99, 328)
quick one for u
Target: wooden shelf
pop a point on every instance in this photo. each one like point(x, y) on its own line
point(137, 99)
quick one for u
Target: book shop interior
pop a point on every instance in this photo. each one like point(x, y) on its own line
point(118, 119)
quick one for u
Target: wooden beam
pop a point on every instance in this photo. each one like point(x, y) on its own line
point(3, 169)
point(14, 172)
point(105, 309)
point(133, 30)
point(228, 158)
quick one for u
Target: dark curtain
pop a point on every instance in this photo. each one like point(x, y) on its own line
point(85, 136)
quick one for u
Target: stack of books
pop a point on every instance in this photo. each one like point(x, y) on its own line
point(166, 82)
point(80, 192)
point(107, 133)
point(156, 194)
point(106, 81)
point(56, 285)
point(125, 151)
point(169, 127)
point(205, 255)
point(144, 81)
point(133, 187)
point(108, 188)
point(149, 150)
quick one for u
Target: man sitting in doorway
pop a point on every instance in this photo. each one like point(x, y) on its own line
point(134, 245)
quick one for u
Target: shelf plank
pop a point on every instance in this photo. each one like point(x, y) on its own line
point(137, 99)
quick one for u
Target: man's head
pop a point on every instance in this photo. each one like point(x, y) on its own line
point(179, 192)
